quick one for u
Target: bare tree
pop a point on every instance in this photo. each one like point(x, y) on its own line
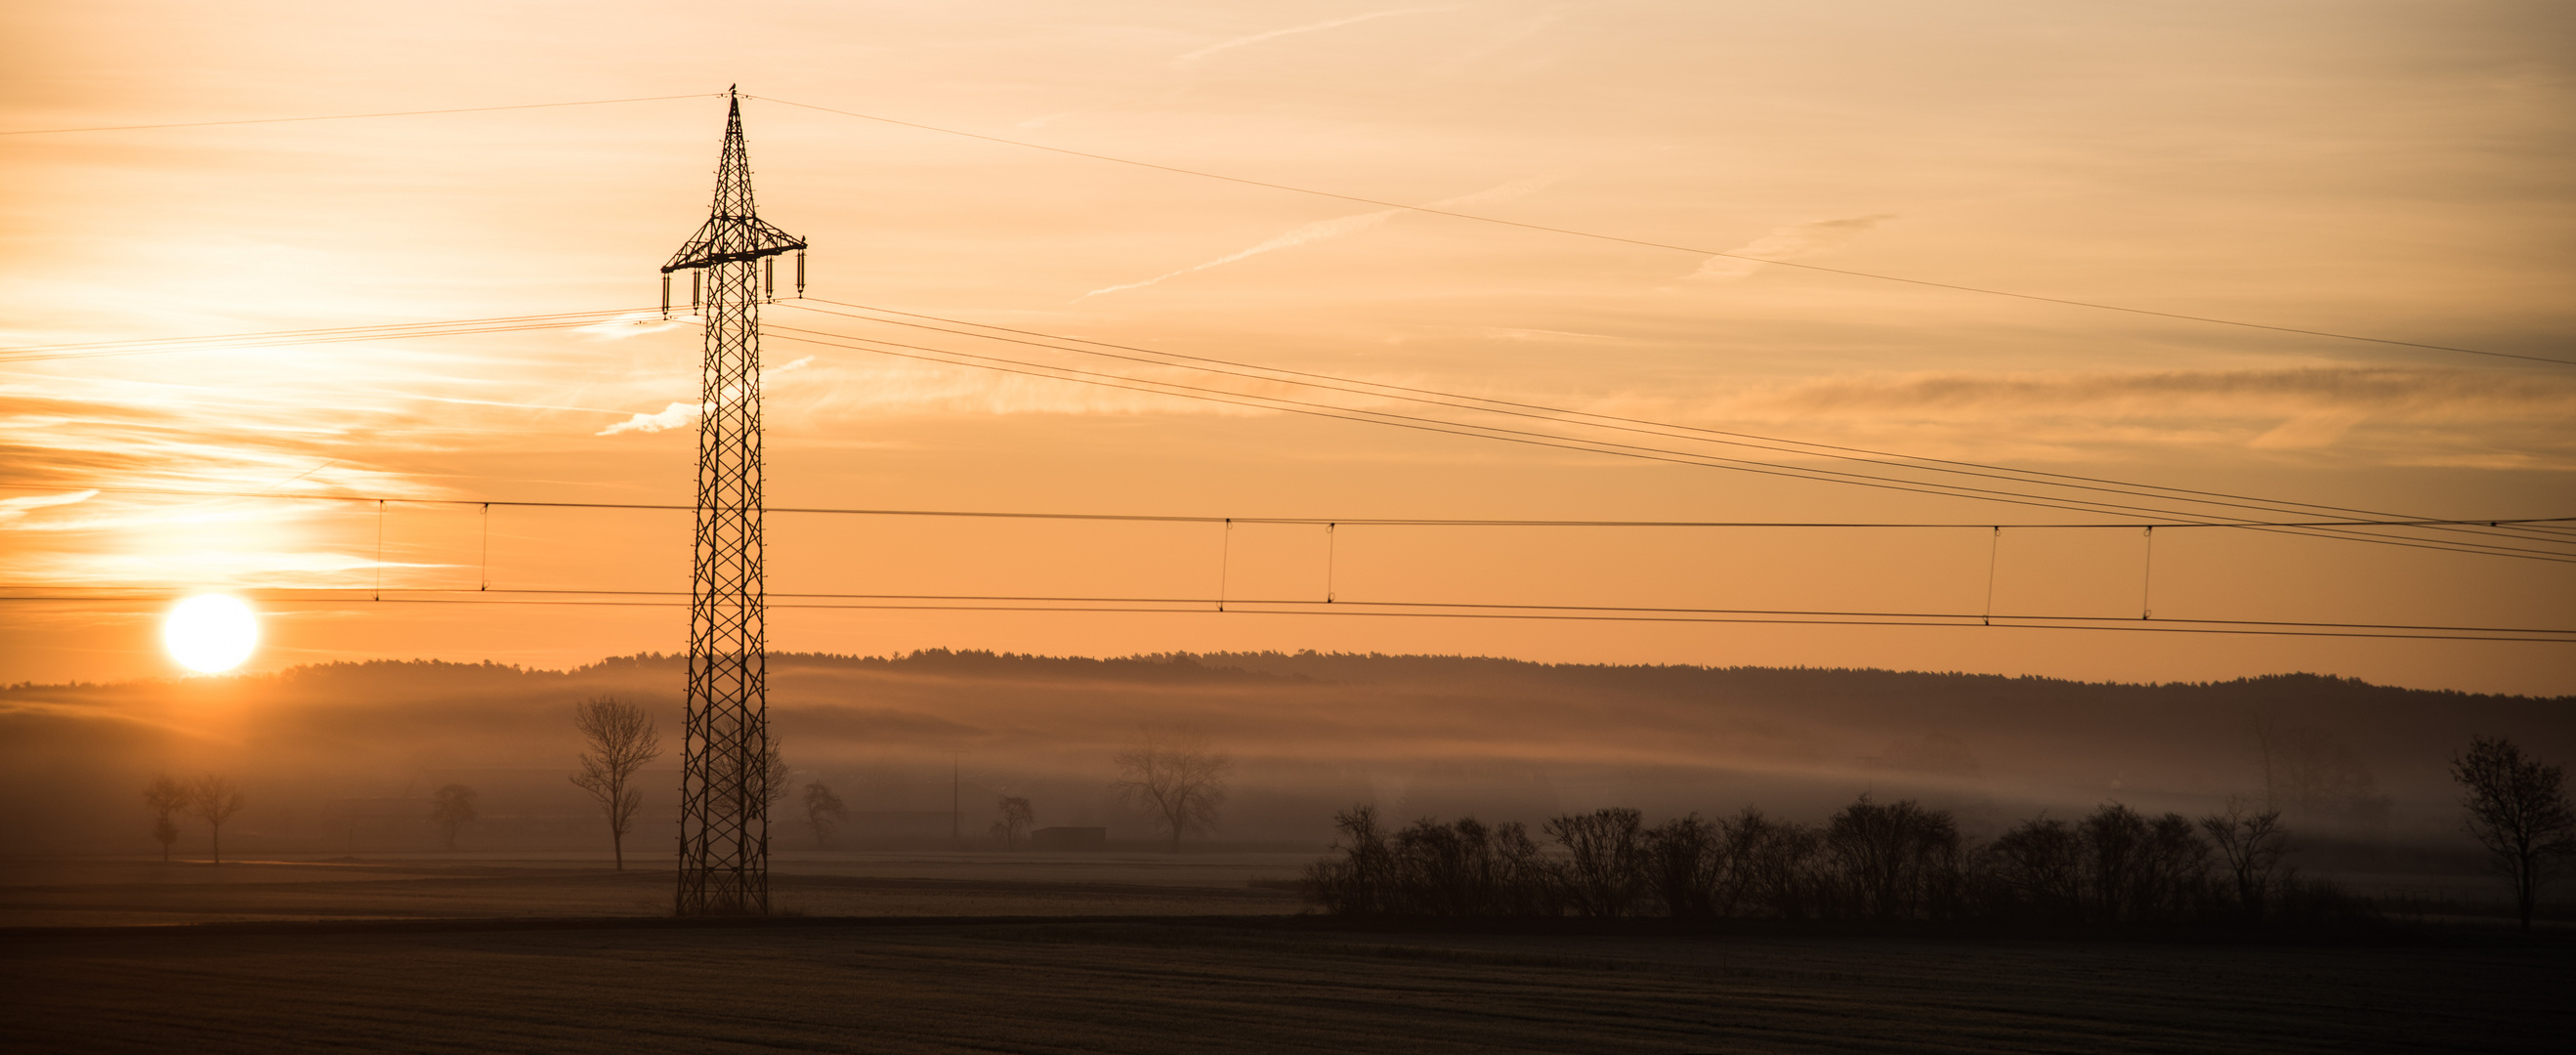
point(167, 798)
point(823, 811)
point(1175, 776)
point(622, 741)
point(777, 776)
point(1015, 822)
point(2518, 810)
point(214, 800)
point(2251, 843)
point(449, 808)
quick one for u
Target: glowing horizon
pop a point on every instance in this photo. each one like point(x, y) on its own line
point(2370, 193)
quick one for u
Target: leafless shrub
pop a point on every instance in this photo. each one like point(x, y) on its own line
point(1465, 868)
point(1891, 861)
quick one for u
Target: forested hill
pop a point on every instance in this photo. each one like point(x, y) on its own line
point(1426, 734)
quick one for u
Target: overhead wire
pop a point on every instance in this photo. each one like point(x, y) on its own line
point(323, 335)
point(353, 117)
point(1280, 520)
point(1668, 428)
point(1620, 423)
point(1282, 404)
point(1381, 609)
point(1451, 400)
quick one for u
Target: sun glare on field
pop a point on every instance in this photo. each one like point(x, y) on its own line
point(210, 633)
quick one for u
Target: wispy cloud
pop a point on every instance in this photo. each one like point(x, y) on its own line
point(1227, 45)
point(631, 324)
point(1793, 242)
point(1343, 225)
point(14, 508)
point(2382, 416)
point(678, 415)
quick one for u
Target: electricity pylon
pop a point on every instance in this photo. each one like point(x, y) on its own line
point(724, 772)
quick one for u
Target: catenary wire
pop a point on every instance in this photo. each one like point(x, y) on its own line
point(353, 117)
point(1284, 405)
point(1319, 609)
point(586, 318)
point(1807, 446)
point(1284, 520)
point(1622, 424)
point(323, 335)
point(527, 322)
point(1213, 601)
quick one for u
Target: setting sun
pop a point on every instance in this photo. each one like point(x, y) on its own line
point(210, 633)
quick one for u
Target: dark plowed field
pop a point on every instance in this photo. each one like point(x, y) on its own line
point(1140, 986)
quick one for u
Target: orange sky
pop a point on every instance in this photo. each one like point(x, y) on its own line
point(2395, 170)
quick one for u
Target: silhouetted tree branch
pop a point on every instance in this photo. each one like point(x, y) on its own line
point(622, 740)
point(2250, 843)
point(823, 812)
point(1017, 816)
point(450, 808)
point(1175, 776)
point(167, 797)
point(2518, 810)
point(214, 800)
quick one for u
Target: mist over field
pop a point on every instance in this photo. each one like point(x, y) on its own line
point(345, 756)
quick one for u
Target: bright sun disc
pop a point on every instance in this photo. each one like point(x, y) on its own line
point(210, 632)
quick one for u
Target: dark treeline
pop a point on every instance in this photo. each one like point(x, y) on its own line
point(1869, 861)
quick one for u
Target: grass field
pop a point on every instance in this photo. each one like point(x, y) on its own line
point(1140, 955)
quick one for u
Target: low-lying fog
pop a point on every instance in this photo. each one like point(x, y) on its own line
point(345, 757)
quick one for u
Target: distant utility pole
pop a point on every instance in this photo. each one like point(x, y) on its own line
point(956, 801)
point(724, 771)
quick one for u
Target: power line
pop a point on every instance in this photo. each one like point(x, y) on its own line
point(1621, 424)
point(1304, 521)
point(1380, 203)
point(1376, 417)
point(353, 117)
point(1295, 520)
point(575, 319)
point(570, 319)
point(1829, 450)
point(2411, 632)
point(324, 335)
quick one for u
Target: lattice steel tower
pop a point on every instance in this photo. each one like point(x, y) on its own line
point(724, 773)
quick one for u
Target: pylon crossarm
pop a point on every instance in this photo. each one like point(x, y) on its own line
point(725, 239)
